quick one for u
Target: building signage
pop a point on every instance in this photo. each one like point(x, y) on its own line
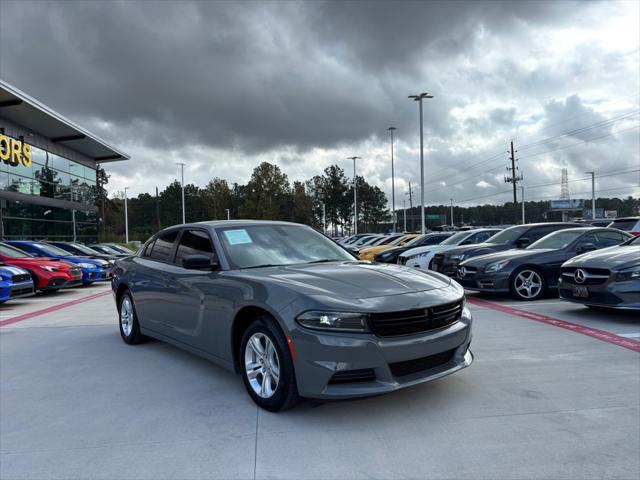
point(566, 204)
point(14, 152)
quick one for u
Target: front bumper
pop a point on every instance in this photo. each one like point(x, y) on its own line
point(23, 289)
point(90, 276)
point(483, 282)
point(391, 363)
point(618, 295)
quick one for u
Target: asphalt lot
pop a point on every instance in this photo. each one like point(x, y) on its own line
point(542, 400)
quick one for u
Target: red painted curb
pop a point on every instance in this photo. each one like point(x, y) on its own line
point(27, 316)
point(574, 327)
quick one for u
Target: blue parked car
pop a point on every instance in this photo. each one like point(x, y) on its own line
point(14, 283)
point(92, 269)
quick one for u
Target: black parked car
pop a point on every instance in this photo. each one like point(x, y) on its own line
point(391, 255)
point(607, 278)
point(529, 273)
point(519, 236)
point(83, 251)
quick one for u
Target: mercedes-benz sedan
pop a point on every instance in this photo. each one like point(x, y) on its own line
point(292, 312)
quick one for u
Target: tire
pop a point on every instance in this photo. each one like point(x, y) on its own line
point(128, 321)
point(527, 284)
point(267, 367)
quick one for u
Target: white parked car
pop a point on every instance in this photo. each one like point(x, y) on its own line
point(421, 257)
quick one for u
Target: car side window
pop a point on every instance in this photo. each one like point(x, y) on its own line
point(194, 242)
point(609, 239)
point(537, 233)
point(163, 245)
point(148, 249)
point(482, 237)
point(586, 239)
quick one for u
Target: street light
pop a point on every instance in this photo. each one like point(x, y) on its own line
point(451, 212)
point(593, 195)
point(126, 217)
point(393, 188)
point(182, 184)
point(418, 98)
point(355, 198)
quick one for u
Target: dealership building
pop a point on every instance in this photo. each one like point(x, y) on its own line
point(48, 167)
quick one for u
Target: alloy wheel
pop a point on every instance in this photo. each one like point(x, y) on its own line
point(262, 365)
point(126, 316)
point(528, 284)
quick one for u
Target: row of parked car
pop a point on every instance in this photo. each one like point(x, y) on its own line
point(524, 261)
point(30, 266)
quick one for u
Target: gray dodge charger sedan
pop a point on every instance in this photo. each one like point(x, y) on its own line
point(291, 311)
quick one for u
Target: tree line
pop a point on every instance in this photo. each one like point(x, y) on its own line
point(269, 195)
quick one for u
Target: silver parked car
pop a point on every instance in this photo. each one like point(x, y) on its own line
point(291, 311)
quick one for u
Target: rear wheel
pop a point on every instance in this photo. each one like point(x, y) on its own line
point(129, 326)
point(267, 366)
point(527, 284)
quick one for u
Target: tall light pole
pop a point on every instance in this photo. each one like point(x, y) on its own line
point(182, 184)
point(418, 98)
point(355, 197)
point(522, 200)
point(126, 217)
point(393, 184)
point(404, 209)
point(593, 195)
point(451, 212)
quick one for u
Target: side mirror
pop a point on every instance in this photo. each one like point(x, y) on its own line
point(522, 242)
point(586, 247)
point(199, 262)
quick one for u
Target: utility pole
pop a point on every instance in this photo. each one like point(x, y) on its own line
point(404, 210)
point(419, 98)
point(451, 212)
point(513, 178)
point(593, 195)
point(73, 217)
point(182, 184)
point(126, 217)
point(355, 198)
point(410, 192)
point(522, 200)
point(393, 185)
point(324, 219)
point(157, 208)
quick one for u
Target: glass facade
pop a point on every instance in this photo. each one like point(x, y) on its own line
point(54, 177)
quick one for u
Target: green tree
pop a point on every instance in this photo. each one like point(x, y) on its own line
point(267, 194)
point(217, 198)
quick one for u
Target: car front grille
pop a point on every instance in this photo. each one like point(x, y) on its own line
point(22, 277)
point(409, 367)
point(16, 292)
point(410, 322)
point(353, 376)
point(593, 276)
point(438, 263)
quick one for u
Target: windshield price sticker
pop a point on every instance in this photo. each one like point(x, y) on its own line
point(237, 237)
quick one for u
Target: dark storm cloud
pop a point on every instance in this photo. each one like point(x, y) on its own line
point(244, 75)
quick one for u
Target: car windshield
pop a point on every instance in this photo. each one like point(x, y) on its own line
point(51, 250)
point(391, 240)
point(372, 240)
point(556, 240)
point(625, 224)
point(106, 249)
point(254, 246)
point(415, 242)
point(635, 241)
point(9, 251)
point(455, 238)
point(508, 236)
point(84, 249)
point(121, 249)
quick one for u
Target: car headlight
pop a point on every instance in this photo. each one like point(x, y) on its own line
point(632, 273)
point(86, 265)
point(458, 257)
point(496, 266)
point(49, 268)
point(336, 321)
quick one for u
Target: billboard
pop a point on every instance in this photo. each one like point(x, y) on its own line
point(567, 204)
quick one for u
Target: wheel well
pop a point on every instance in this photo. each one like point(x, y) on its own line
point(121, 289)
point(241, 322)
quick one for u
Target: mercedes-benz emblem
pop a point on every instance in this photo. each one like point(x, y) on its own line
point(579, 275)
point(462, 271)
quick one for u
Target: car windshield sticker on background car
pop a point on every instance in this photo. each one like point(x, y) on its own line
point(291, 311)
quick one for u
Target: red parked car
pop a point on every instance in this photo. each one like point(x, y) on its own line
point(48, 274)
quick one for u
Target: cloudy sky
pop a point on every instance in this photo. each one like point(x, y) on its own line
point(224, 86)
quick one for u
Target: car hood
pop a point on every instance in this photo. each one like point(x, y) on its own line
point(614, 258)
point(348, 279)
point(518, 254)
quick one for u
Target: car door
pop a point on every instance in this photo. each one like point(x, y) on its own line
point(195, 298)
point(150, 282)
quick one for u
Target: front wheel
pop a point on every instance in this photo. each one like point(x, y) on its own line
point(527, 284)
point(267, 366)
point(129, 326)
